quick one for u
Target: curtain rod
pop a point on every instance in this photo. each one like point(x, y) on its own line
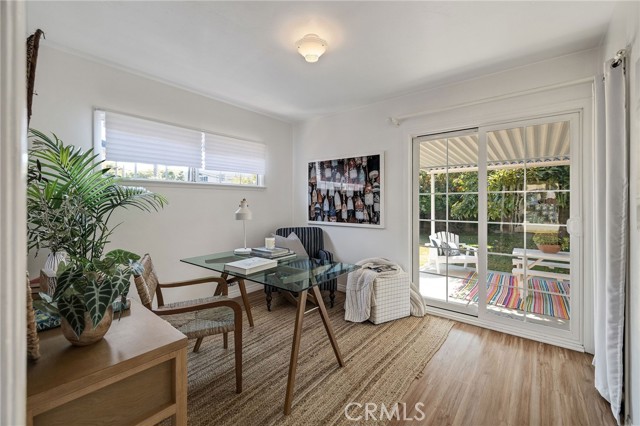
point(396, 121)
point(620, 56)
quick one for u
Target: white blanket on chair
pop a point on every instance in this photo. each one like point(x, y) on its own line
point(360, 294)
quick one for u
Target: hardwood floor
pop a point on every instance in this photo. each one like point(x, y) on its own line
point(482, 377)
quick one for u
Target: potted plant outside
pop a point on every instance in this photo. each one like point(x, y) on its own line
point(70, 200)
point(547, 242)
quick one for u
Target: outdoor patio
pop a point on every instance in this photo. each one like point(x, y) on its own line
point(543, 300)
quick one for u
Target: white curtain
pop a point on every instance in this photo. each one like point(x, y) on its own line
point(611, 233)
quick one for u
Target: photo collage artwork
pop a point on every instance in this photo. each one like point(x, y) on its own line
point(346, 191)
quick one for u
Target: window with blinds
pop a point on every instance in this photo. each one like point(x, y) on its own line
point(136, 148)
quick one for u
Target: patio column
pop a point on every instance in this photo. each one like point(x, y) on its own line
point(433, 202)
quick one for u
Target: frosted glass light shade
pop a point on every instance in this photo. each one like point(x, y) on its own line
point(311, 47)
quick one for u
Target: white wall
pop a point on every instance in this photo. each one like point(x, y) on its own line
point(198, 220)
point(624, 30)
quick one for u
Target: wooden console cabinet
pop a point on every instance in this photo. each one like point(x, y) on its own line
point(136, 375)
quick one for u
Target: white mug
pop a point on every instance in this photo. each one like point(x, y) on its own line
point(270, 242)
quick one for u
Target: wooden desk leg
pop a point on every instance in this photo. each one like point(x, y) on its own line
point(245, 301)
point(180, 418)
point(222, 289)
point(327, 325)
point(295, 348)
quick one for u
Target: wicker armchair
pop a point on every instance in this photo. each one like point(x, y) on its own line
point(195, 318)
point(312, 238)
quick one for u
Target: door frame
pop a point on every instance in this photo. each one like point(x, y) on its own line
point(416, 214)
point(575, 98)
point(575, 299)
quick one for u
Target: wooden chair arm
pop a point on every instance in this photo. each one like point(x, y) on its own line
point(218, 280)
point(237, 310)
point(468, 248)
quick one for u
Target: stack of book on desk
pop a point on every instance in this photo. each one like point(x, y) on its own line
point(274, 253)
point(250, 266)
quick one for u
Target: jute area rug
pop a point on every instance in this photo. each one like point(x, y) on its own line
point(381, 361)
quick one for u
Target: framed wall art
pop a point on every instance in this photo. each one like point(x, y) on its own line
point(347, 191)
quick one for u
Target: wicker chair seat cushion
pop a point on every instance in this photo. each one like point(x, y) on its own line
point(201, 323)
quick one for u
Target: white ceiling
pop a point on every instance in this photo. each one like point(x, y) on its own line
point(244, 53)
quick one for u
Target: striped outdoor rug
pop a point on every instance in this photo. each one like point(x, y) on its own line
point(545, 297)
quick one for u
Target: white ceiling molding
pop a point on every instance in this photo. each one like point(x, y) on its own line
point(242, 51)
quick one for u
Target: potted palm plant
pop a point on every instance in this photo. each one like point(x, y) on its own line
point(70, 201)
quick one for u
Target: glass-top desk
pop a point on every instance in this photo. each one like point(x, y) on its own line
point(293, 275)
point(299, 275)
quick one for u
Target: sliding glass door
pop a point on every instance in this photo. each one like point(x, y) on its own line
point(448, 220)
point(492, 215)
point(532, 262)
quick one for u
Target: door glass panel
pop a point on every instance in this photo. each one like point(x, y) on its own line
point(463, 207)
point(505, 147)
point(425, 206)
point(504, 237)
point(503, 287)
point(440, 183)
point(463, 181)
point(440, 206)
point(448, 203)
point(528, 205)
point(505, 207)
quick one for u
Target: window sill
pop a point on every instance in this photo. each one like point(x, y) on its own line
point(189, 185)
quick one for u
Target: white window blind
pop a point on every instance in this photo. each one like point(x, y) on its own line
point(138, 148)
point(136, 140)
point(226, 154)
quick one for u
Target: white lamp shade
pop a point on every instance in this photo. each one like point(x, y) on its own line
point(311, 47)
point(243, 212)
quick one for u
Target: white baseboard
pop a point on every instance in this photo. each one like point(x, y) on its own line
point(469, 319)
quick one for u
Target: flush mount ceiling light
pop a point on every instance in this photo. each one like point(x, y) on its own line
point(311, 47)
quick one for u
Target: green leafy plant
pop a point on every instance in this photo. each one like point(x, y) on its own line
point(91, 286)
point(505, 198)
point(70, 201)
point(71, 197)
point(547, 238)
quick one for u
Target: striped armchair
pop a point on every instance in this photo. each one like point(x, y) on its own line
point(312, 238)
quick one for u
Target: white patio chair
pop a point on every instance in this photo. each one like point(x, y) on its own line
point(445, 247)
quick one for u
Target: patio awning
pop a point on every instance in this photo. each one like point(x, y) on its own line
point(544, 144)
